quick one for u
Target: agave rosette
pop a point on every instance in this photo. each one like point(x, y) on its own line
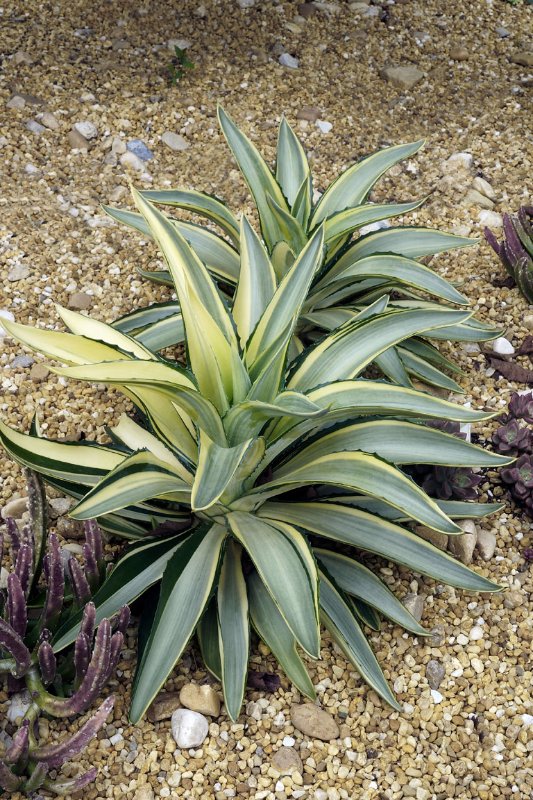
point(267, 464)
point(356, 271)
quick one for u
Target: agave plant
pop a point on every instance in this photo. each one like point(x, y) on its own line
point(33, 606)
point(263, 465)
point(355, 273)
point(516, 249)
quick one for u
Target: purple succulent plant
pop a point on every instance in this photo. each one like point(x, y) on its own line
point(521, 406)
point(519, 478)
point(512, 438)
point(516, 249)
point(27, 656)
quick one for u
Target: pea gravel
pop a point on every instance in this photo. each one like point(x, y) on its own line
point(80, 82)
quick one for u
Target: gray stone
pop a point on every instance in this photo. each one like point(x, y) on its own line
point(39, 372)
point(313, 721)
point(87, 129)
point(22, 57)
point(183, 44)
point(459, 53)
point(483, 187)
point(310, 113)
point(287, 760)
point(458, 161)
point(35, 127)
point(117, 193)
point(403, 77)
point(286, 60)
point(59, 506)
point(77, 141)
point(189, 728)
point(485, 544)
point(138, 148)
point(475, 198)
point(18, 272)
point(21, 361)
point(163, 706)
point(502, 32)
point(324, 126)
point(118, 146)
point(435, 672)
point(414, 603)
point(144, 793)
point(490, 218)
point(80, 301)
point(16, 102)
point(111, 159)
point(175, 141)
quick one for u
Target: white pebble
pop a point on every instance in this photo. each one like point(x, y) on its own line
point(189, 728)
point(503, 346)
point(437, 697)
point(286, 60)
point(476, 633)
point(87, 129)
point(528, 719)
point(324, 126)
point(490, 218)
point(288, 741)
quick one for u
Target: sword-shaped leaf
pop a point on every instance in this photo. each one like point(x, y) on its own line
point(292, 168)
point(199, 203)
point(257, 283)
point(234, 632)
point(347, 221)
point(216, 468)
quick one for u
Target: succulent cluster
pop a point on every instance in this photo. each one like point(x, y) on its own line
point(262, 454)
point(516, 439)
point(62, 684)
point(447, 482)
point(516, 249)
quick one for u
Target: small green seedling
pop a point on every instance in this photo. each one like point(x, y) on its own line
point(179, 65)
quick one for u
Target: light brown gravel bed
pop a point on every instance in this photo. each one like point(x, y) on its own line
point(474, 743)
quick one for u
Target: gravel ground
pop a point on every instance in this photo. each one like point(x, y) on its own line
point(105, 63)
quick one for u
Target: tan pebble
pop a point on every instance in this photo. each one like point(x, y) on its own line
point(49, 121)
point(525, 59)
point(440, 540)
point(286, 760)
point(404, 77)
point(15, 508)
point(475, 198)
point(39, 372)
point(202, 699)
point(528, 321)
point(459, 53)
point(163, 706)
point(463, 546)
point(486, 544)
point(77, 141)
point(80, 301)
point(144, 793)
point(315, 722)
point(310, 113)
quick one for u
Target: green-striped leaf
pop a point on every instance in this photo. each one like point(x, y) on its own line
point(234, 635)
point(347, 221)
point(216, 468)
point(207, 633)
point(257, 283)
point(199, 203)
point(292, 168)
point(185, 589)
point(285, 564)
point(341, 623)
point(352, 187)
point(273, 630)
point(357, 580)
point(367, 532)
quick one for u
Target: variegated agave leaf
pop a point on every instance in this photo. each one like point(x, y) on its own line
point(257, 460)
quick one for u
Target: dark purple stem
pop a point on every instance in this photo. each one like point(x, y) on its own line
point(47, 662)
point(88, 621)
point(92, 572)
point(24, 567)
point(56, 582)
point(82, 657)
point(74, 785)
point(19, 745)
point(16, 605)
point(12, 642)
point(8, 781)
point(57, 754)
point(78, 581)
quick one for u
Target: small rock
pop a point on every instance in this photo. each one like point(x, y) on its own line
point(203, 699)
point(313, 721)
point(39, 372)
point(307, 10)
point(183, 44)
point(17, 706)
point(483, 187)
point(462, 545)
point(502, 32)
point(77, 141)
point(15, 508)
point(486, 544)
point(437, 697)
point(144, 793)
point(524, 58)
point(35, 127)
point(59, 506)
point(359, 8)
point(18, 272)
point(403, 77)
point(490, 218)
point(476, 633)
point(129, 159)
point(528, 321)
point(117, 193)
point(310, 113)
point(324, 126)
point(246, 3)
point(286, 60)
point(189, 728)
point(49, 121)
point(475, 198)
point(459, 53)
point(414, 603)
point(287, 760)
point(16, 102)
point(472, 348)
point(458, 161)
point(111, 159)
point(118, 146)
point(138, 148)
point(4, 575)
point(436, 538)
point(21, 361)
point(80, 301)
point(22, 57)
point(175, 141)
point(163, 706)
point(503, 346)
point(435, 672)
point(513, 599)
point(87, 129)
point(254, 711)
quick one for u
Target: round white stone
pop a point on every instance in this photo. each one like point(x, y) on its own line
point(189, 728)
